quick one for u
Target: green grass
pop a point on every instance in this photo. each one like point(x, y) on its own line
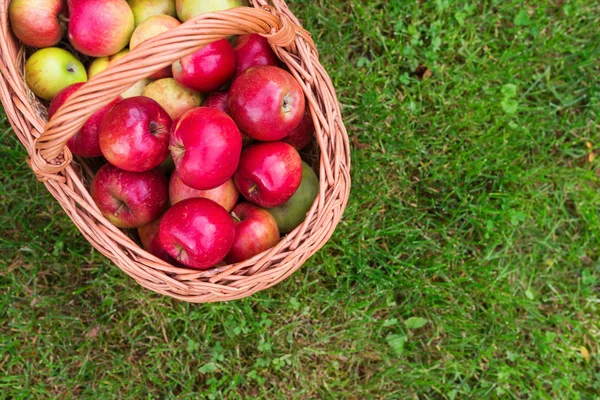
point(467, 264)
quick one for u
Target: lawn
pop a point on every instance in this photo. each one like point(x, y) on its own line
point(467, 265)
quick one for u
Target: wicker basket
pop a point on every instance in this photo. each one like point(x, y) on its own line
point(67, 179)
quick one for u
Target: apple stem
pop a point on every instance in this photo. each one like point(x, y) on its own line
point(63, 18)
point(235, 217)
point(121, 207)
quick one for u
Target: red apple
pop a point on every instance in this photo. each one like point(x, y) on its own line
point(253, 50)
point(129, 199)
point(207, 69)
point(225, 195)
point(301, 137)
point(218, 101)
point(134, 135)
point(38, 23)
point(85, 143)
point(267, 103)
point(197, 232)
point(100, 28)
point(149, 238)
point(206, 146)
point(255, 231)
point(269, 173)
point(152, 27)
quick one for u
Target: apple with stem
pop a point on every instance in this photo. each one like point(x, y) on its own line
point(144, 9)
point(208, 69)
point(50, 70)
point(225, 195)
point(206, 145)
point(267, 103)
point(84, 143)
point(134, 135)
point(150, 28)
point(292, 213)
point(38, 23)
point(255, 231)
point(129, 199)
point(197, 233)
point(173, 97)
point(269, 173)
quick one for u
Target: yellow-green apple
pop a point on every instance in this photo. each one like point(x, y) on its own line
point(225, 195)
point(255, 231)
point(197, 232)
point(134, 135)
point(38, 23)
point(207, 69)
point(84, 143)
point(188, 9)
point(100, 28)
point(269, 173)
point(149, 238)
point(102, 63)
point(50, 70)
point(303, 134)
point(293, 212)
point(266, 103)
point(206, 145)
point(144, 9)
point(173, 97)
point(129, 199)
point(150, 28)
point(253, 50)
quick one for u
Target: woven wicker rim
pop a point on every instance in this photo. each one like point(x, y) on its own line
point(53, 163)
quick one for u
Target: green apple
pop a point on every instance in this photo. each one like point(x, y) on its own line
point(143, 9)
point(102, 63)
point(292, 213)
point(188, 9)
point(50, 70)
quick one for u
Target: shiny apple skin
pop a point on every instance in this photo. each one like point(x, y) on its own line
point(218, 101)
point(135, 134)
point(197, 232)
point(255, 232)
point(225, 195)
point(208, 69)
point(303, 135)
point(206, 146)
point(149, 238)
point(84, 143)
point(269, 173)
point(266, 103)
point(38, 23)
point(253, 50)
point(100, 28)
point(129, 199)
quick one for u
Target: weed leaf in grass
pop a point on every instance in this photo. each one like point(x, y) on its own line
point(415, 323)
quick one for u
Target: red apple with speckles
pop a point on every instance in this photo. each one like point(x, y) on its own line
point(207, 69)
point(84, 143)
point(266, 103)
point(206, 145)
point(129, 199)
point(255, 231)
point(269, 173)
point(225, 195)
point(253, 50)
point(149, 238)
point(134, 135)
point(304, 133)
point(197, 232)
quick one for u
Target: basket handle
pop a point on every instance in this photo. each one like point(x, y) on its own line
point(50, 154)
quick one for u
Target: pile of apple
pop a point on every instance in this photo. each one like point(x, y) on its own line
point(203, 157)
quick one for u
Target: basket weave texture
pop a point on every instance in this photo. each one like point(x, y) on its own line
point(67, 179)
